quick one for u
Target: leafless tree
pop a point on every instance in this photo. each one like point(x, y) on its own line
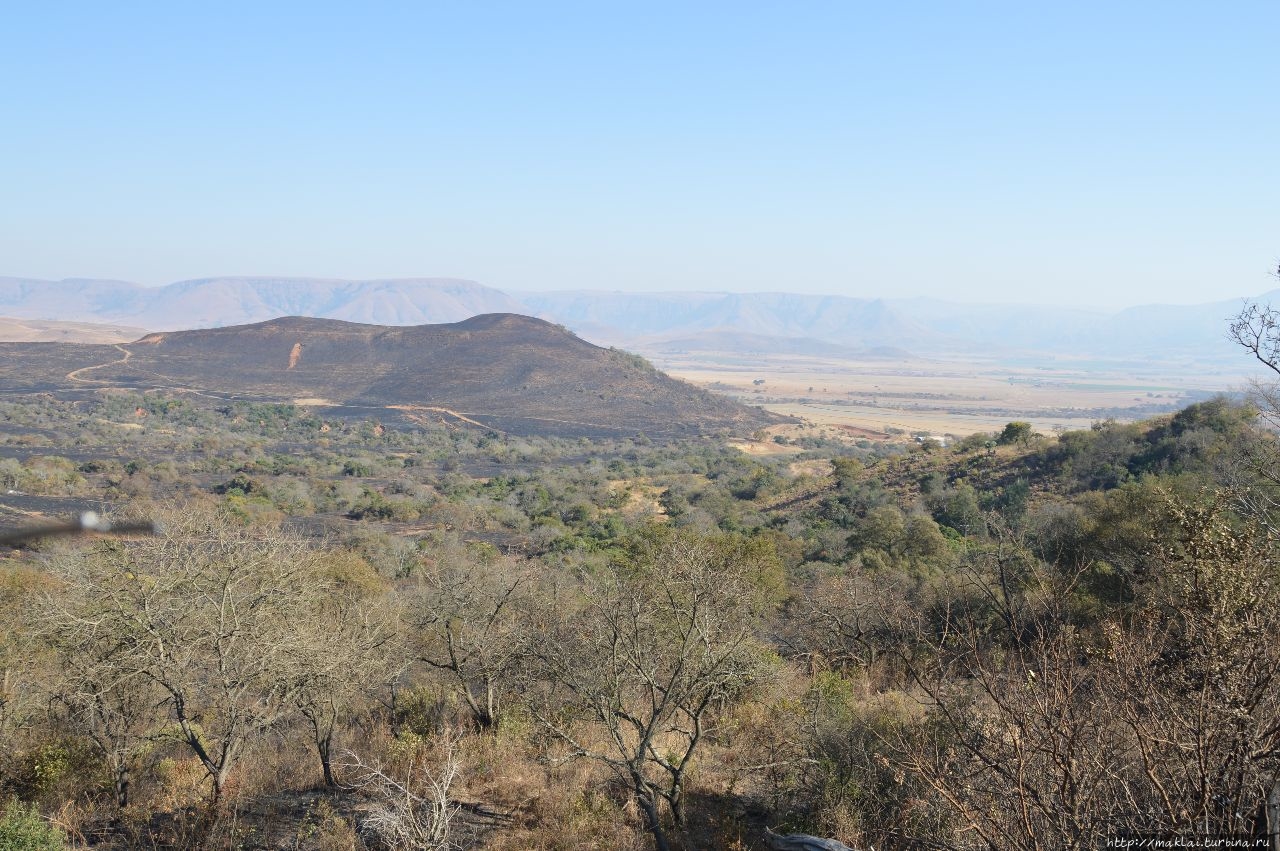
point(846, 621)
point(469, 619)
point(208, 612)
point(1257, 328)
point(1013, 741)
point(353, 649)
point(106, 695)
point(25, 669)
point(1200, 664)
point(655, 647)
point(1162, 715)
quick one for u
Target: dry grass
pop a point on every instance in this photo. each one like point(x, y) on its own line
point(762, 448)
point(642, 499)
point(515, 791)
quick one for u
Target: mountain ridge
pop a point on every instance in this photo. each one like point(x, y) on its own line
point(636, 320)
point(220, 301)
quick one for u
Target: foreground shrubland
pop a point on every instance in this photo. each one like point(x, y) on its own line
point(367, 638)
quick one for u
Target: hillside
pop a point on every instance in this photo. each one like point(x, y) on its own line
point(498, 371)
point(977, 476)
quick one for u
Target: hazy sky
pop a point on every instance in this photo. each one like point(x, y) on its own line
point(1104, 153)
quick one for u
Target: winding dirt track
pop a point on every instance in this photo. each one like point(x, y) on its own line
point(412, 412)
point(74, 375)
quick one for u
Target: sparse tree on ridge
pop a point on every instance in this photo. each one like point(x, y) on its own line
point(1018, 431)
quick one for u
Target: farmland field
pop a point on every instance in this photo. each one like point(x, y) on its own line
point(952, 395)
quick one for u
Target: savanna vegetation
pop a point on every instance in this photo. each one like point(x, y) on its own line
point(349, 635)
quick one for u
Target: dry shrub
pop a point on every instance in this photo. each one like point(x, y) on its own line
point(410, 792)
point(53, 769)
point(553, 805)
point(76, 819)
point(762, 747)
point(324, 829)
point(182, 783)
point(502, 769)
point(564, 818)
point(283, 764)
point(424, 710)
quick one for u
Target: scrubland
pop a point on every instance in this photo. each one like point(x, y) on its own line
point(350, 635)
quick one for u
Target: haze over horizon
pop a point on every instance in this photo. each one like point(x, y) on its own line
point(517, 293)
point(1092, 155)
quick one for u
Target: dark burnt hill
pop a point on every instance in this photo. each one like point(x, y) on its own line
point(511, 372)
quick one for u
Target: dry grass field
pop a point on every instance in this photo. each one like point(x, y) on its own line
point(880, 398)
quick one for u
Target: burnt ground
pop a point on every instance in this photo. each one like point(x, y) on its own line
point(504, 372)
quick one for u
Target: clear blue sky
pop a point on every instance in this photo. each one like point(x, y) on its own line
point(1104, 153)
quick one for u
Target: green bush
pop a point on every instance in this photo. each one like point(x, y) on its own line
point(23, 829)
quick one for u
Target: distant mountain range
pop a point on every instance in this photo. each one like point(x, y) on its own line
point(216, 302)
point(762, 344)
point(654, 322)
point(836, 319)
point(504, 372)
point(645, 321)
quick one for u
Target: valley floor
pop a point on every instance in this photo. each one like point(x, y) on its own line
point(881, 398)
